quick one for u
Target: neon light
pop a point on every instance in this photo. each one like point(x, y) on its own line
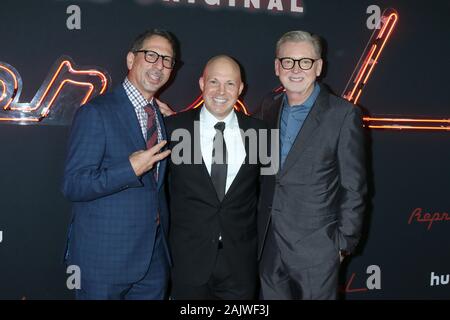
point(5, 89)
point(395, 17)
point(361, 73)
point(45, 111)
point(12, 75)
point(21, 119)
point(419, 124)
point(407, 120)
point(389, 20)
point(239, 106)
point(3, 95)
point(67, 64)
point(43, 102)
point(41, 105)
point(398, 127)
point(348, 288)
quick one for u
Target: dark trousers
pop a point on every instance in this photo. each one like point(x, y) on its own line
point(153, 286)
point(222, 285)
point(280, 281)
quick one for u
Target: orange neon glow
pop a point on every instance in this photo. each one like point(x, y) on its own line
point(370, 61)
point(16, 85)
point(65, 65)
point(407, 120)
point(398, 127)
point(21, 119)
point(394, 18)
point(8, 103)
point(419, 124)
point(3, 95)
point(348, 288)
point(239, 106)
point(361, 72)
point(377, 45)
point(357, 96)
point(45, 111)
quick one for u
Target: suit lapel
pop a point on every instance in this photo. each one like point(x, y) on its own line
point(310, 125)
point(127, 116)
point(275, 112)
point(243, 125)
point(273, 118)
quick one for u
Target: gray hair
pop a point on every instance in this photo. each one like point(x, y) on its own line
point(299, 36)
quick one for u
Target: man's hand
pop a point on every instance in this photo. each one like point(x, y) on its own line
point(342, 255)
point(143, 160)
point(164, 109)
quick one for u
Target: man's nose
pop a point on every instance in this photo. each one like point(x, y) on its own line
point(296, 68)
point(159, 63)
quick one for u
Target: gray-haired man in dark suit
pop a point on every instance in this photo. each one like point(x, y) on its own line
point(311, 211)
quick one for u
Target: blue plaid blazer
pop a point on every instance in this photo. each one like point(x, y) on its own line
point(113, 226)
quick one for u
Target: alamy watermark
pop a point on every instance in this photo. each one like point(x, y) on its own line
point(258, 141)
point(74, 280)
point(73, 21)
point(374, 20)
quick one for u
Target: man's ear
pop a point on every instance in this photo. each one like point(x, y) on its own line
point(201, 83)
point(319, 67)
point(241, 87)
point(130, 60)
point(277, 67)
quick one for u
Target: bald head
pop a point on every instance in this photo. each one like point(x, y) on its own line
point(221, 85)
point(223, 62)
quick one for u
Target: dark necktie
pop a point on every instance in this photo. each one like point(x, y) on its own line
point(219, 161)
point(152, 139)
point(152, 132)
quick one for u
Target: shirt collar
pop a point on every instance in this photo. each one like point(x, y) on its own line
point(136, 98)
point(210, 120)
point(309, 102)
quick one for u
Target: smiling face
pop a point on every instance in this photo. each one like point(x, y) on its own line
point(221, 85)
point(299, 84)
point(147, 77)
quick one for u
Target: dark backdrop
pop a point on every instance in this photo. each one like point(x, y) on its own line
point(408, 169)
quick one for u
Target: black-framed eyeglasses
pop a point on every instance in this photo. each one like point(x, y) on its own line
point(304, 63)
point(152, 56)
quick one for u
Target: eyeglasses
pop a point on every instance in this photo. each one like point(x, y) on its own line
point(152, 56)
point(303, 63)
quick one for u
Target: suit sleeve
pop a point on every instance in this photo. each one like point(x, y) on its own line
point(85, 176)
point(351, 159)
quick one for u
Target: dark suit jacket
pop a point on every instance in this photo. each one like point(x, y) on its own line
point(113, 228)
point(197, 215)
point(316, 201)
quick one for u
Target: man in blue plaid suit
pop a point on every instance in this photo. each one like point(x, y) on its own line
point(114, 175)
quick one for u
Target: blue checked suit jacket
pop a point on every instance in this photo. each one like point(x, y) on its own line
point(113, 227)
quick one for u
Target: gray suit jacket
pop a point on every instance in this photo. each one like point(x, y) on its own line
point(317, 200)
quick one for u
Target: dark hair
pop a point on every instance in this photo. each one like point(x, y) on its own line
point(139, 41)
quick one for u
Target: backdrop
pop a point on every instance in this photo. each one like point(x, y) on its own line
point(404, 253)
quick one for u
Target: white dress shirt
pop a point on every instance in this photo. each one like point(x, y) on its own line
point(233, 140)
